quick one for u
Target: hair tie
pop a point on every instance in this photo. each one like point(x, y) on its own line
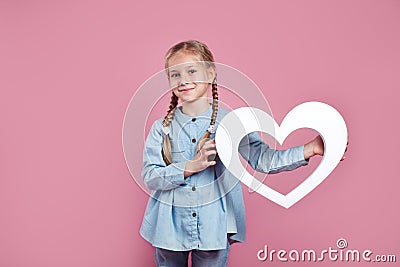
point(166, 130)
point(211, 129)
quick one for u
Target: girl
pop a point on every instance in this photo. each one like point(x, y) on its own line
point(197, 206)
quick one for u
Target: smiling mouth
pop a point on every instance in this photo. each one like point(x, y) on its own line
point(185, 89)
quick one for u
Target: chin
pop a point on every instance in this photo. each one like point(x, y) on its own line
point(188, 100)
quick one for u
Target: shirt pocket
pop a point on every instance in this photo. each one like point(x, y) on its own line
point(178, 150)
point(178, 156)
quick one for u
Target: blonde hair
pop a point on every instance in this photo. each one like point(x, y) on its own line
point(200, 49)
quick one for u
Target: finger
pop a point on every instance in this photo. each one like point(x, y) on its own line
point(211, 140)
point(205, 144)
point(209, 146)
point(211, 163)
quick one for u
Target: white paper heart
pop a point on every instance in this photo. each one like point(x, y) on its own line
point(321, 117)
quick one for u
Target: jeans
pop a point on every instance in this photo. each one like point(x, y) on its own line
point(200, 258)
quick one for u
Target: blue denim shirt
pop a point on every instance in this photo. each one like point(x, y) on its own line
point(200, 211)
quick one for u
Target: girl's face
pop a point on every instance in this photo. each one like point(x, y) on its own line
point(188, 78)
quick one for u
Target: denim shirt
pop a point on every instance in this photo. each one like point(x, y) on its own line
point(199, 212)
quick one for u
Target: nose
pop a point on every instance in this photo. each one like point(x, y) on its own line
point(184, 79)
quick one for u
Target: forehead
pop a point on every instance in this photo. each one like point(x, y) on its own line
point(182, 60)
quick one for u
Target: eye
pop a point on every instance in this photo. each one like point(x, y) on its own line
point(192, 71)
point(174, 75)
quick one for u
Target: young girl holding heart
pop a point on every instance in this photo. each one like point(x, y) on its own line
point(196, 205)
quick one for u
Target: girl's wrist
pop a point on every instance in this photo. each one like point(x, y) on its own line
point(189, 169)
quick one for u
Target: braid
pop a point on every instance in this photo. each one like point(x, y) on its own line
point(206, 136)
point(166, 149)
point(215, 102)
point(171, 111)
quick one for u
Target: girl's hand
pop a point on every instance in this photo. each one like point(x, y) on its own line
point(316, 147)
point(201, 160)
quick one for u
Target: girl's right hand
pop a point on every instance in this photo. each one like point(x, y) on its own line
point(201, 160)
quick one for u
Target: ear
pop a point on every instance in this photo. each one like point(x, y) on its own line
point(211, 74)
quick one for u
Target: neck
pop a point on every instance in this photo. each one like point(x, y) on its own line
point(195, 107)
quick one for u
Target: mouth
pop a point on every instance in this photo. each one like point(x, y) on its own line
point(183, 90)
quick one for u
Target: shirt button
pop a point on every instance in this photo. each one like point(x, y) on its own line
point(194, 119)
point(194, 140)
point(193, 188)
point(194, 214)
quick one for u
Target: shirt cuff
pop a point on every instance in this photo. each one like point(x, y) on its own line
point(176, 171)
point(298, 155)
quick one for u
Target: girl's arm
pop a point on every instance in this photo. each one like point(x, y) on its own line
point(264, 159)
point(155, 173)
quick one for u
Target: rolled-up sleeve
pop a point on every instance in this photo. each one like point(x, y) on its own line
point(264, 159)
point(155, 173)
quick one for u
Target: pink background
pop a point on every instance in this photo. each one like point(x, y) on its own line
point(69, 69)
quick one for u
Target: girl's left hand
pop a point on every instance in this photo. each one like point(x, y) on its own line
point(316, 147)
